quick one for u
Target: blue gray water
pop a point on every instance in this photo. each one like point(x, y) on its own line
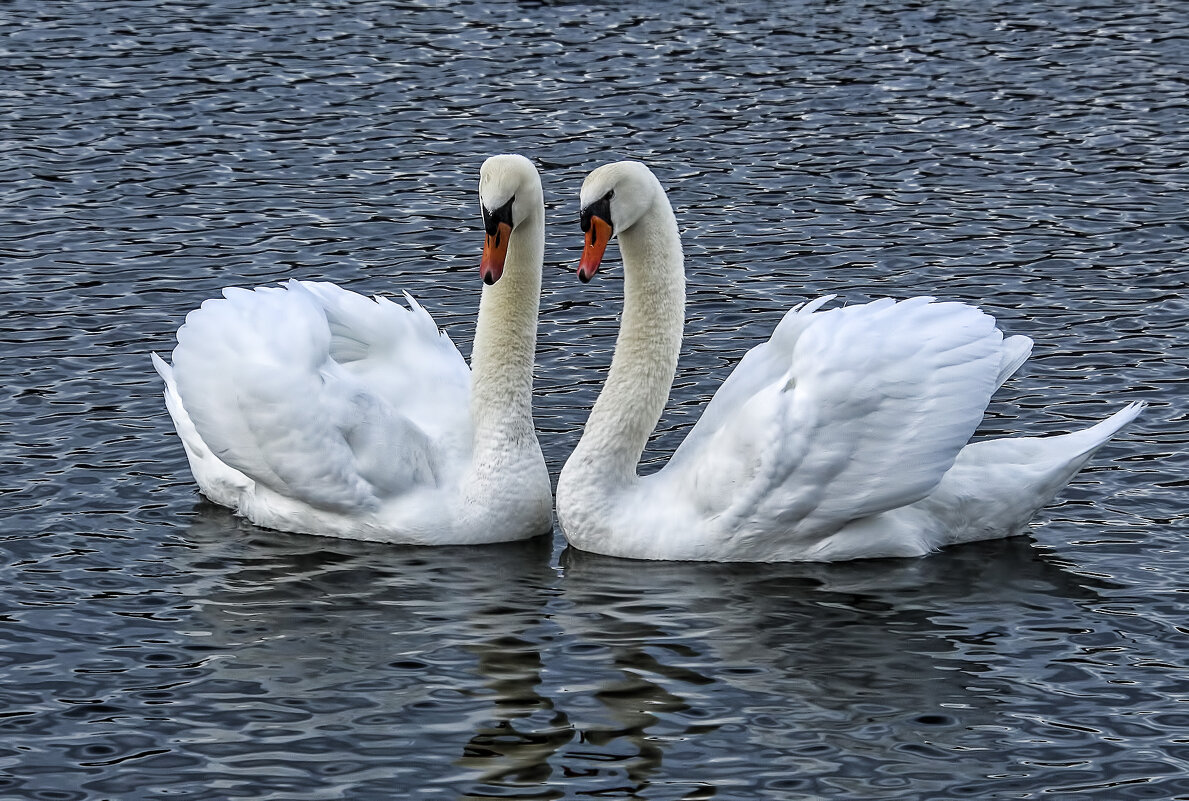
point(1029, 157)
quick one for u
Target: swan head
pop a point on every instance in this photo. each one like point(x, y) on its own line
point(509, 193)
point(614, 198)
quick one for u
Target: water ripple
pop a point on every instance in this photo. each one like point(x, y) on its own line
point(1028, 158)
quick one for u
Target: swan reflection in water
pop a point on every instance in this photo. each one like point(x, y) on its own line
point(809, 669)
point(489, 667)
point(349, 662)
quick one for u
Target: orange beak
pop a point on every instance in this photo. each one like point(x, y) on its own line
point(597, 237)
point(495, 251)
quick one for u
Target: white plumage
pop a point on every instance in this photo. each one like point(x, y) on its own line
point(843, 436)
point(310, 408)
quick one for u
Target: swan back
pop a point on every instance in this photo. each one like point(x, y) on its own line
point(259, 382)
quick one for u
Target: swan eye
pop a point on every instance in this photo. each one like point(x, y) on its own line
point(492, 219)
point(600, 208)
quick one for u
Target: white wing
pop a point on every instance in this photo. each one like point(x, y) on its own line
point(842, 414)
point(323, 395)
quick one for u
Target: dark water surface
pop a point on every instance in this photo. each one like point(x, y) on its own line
point(1029, 157)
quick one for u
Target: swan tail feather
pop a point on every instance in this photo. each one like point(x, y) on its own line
point(1016, 350)
point(216, 480)
point(996, 486)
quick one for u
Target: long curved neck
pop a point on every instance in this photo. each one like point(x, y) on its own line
point(506, 339)
point(646, 351)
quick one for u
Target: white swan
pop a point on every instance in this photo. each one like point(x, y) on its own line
point(841, 437)
point(309, 408)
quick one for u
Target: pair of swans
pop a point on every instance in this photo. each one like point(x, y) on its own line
point(309, 408)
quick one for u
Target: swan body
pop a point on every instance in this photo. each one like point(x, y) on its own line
point(844, 436)
point(309, 408)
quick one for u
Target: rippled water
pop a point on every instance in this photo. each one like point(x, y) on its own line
point(1030, 158)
